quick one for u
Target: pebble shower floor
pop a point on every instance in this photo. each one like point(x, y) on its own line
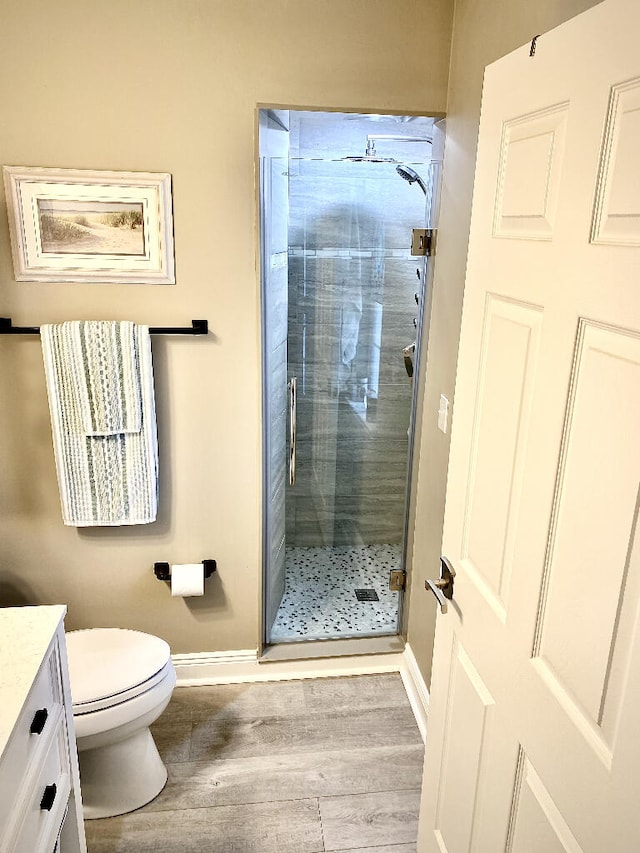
point(319, 600)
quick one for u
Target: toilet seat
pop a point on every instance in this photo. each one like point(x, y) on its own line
point(96, 672)
point(124, 696)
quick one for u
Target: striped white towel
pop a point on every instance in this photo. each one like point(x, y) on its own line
point(106, 478)
point(108, 378)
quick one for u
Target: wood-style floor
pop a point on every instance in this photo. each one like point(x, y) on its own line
point(332, 764)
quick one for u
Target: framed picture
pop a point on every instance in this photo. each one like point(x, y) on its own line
point(82, 225)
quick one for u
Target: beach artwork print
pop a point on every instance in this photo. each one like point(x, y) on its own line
point(91, 227)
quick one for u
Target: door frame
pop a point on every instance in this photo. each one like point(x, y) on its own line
point(356, 645)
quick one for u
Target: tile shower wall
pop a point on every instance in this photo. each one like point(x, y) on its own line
point(351, 307)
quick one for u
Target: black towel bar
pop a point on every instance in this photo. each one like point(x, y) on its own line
point(198, 327)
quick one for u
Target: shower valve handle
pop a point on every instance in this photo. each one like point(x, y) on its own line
point(408, 361)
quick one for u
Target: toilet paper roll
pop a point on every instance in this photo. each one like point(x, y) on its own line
point(187, 579)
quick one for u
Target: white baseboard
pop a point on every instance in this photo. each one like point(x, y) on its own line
point(243, 666)
point(417, 690)
point(214, 667)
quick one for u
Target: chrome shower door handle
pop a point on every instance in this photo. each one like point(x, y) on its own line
point(293, 409)
point(442, 588)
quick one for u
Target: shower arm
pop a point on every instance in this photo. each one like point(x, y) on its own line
point(391, 137)
point(397, 137)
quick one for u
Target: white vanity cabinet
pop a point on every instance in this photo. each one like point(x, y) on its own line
point(40, 803)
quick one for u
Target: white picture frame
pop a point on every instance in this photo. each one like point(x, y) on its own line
point(81, 225)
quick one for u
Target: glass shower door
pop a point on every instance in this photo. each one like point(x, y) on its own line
point(352, 310)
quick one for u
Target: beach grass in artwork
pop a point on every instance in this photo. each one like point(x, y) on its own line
point(91, 228)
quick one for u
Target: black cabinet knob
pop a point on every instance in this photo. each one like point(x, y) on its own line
point(38, 722)
point(48, 798)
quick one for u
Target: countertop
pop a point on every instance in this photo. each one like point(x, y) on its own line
point(25, 635)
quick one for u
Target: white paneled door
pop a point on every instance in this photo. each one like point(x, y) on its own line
point(533, 743)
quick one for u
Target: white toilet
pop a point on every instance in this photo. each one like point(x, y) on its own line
point(121, 681)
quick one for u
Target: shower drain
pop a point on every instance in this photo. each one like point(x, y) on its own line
point(367, 595)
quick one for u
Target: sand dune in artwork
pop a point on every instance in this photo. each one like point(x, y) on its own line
point(64, 236)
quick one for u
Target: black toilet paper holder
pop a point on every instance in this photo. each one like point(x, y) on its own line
point(163, 570)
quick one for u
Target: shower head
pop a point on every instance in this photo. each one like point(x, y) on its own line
point(411, 176)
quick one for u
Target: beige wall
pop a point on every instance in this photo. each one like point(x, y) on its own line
point(172, 85)
point(483, 31)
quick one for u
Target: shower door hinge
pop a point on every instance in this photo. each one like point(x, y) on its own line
point(397, 580)
point(423, 241)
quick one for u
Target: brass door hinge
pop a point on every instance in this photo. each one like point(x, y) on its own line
point(397, 580)
point(423, 241)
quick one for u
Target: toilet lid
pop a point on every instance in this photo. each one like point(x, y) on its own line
point(105, 662)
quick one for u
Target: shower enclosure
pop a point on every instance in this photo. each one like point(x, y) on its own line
point(342, 300)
